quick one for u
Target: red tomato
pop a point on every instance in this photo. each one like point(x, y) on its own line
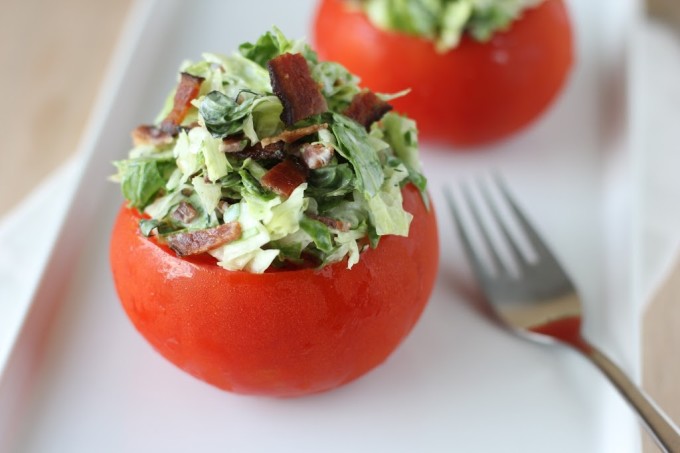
point(284, 333)
point(473, 94)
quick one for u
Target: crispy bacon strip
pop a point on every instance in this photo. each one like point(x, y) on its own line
point(150, 135)
point(200, 241)
point(187, 90)
point(316, 155)
point(185, 212)
point(367, 108)
point(330, 222)
point(292, 82)
point(284, 177)
point(294, 135)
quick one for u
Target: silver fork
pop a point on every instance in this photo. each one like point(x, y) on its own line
point(537, 299)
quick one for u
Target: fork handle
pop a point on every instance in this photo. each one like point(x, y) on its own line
point(664, 432)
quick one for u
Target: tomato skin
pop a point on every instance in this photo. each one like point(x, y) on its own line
point(471, 95)
point(286, 333)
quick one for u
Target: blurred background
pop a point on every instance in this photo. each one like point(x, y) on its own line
point(53, 56)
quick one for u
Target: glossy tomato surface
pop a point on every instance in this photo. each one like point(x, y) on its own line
point(471, 95)
point(284, 333)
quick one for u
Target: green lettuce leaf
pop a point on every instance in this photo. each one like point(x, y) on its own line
point(338, 85)
point(264, 119)
point(239, 73)
point(216, 163)
point(272, 44)
point(418, 17)
point(385, 209)
point(331, 181)
point(141, 179)
point(353, 145)
point(222, 115)
point(401, 134)
point(319, 233)
point(445, 21)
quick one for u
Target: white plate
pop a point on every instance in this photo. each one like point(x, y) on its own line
point(81, 379)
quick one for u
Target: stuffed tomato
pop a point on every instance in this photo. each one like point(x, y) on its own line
point(478, 71)
point(277, 237)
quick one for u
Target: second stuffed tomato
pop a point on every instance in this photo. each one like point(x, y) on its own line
point(472, 94)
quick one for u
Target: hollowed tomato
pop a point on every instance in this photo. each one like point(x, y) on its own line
point(281, 333)
point(473, 94)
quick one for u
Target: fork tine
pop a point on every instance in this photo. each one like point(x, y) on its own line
point(475, 262)
point(535, 240)
point(516, 253)
point(495, 258)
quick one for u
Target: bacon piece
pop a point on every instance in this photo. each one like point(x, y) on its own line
point(366, 108)
point(187, 90)
point(150, 135)
point(233, 144)
point(200, 241)
point(185, 212)
point(284, 177)
point(316, 155)
point(258, 152)
point(294, 135)
point(292, 82)
point(330, 222)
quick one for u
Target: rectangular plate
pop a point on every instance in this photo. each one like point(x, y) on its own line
point(81, 379)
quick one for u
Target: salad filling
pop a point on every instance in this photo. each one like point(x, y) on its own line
point(269, 158)
point(445, 21)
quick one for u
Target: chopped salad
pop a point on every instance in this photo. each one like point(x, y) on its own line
point(268, 158)
point(445, 21)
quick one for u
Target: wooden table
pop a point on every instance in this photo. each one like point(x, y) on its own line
point(53, 56)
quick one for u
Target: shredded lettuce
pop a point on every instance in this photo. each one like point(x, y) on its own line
point(215, 165)
point(246, 253)
point(353, 145)
point(223, 115)
point(216, 162)
point(445, 21)
point(264, 119)
point(239, 73)
point(318, 232)
point(272, 44)
point(208, 193)
point(402, 134)
point(338, 85)
point(385, 208)
point(140, 180)
point(285, 217)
